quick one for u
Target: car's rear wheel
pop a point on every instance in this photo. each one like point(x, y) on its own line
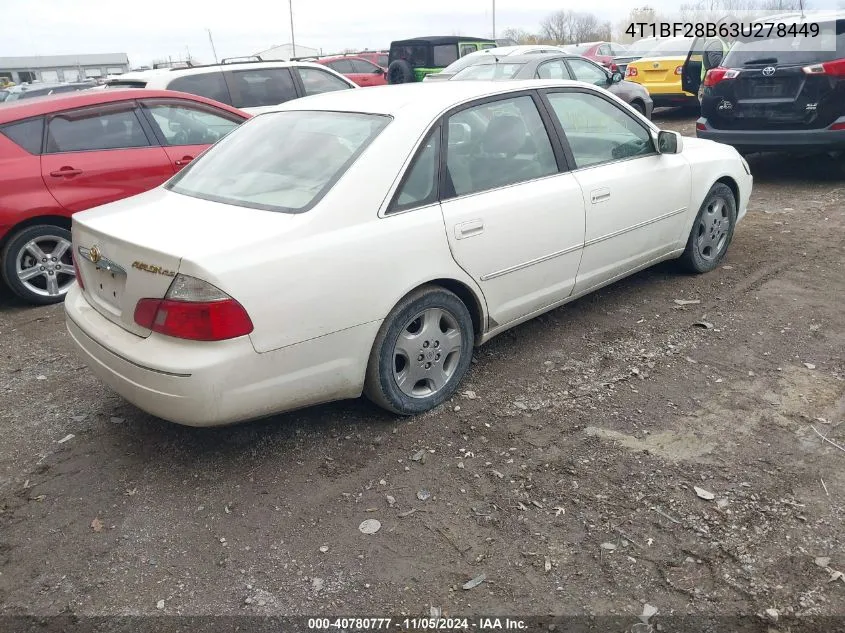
point(400, 72)
point(37, 264)
point(712, 230)
point(421, 353)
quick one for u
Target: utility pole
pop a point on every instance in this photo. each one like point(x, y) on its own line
point(210, 39)
point(292, 37)
point(494, 19)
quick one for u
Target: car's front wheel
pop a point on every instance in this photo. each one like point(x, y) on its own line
point(37, 264)
point(712, 230)
point(421, 353)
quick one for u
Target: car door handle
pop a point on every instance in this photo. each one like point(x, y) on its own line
point(468, 229)
point(65, 171)
point(599, 195)
point(184, 160)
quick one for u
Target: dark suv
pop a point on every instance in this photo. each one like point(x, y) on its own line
point(776, 94)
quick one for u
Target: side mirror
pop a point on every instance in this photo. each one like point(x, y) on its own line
point(616, 77)
point(669, 142)
point(379, 71)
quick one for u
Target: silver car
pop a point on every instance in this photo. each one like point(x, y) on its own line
point(558, 66)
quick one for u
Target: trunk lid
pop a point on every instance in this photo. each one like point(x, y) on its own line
point(657, 69)
point(133, 248)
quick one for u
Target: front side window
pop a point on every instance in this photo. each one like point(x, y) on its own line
point(499, 143)
point(597, 131)
point(444, 54)
point(27, 134)
point(555, 69)
point(210, 85)
point(185, 124)
point(588, 72)
point(92, 129)
point(490, 71)
point(281, 161)
point(258, 87)
point(317, 81)
point(420, 184)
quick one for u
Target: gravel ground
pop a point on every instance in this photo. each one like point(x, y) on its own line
point(569, 470)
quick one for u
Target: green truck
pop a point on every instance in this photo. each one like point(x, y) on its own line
point(411, 60)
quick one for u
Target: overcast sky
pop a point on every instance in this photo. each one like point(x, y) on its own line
point(158, 28)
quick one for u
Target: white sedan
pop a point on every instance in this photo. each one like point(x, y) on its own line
point(364, 241)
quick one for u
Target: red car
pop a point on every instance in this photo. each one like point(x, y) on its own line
point(379, 58)
point(69, 152)
point(362, 72)
point(602, 52)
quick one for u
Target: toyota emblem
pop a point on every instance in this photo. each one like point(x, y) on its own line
point(768, 71)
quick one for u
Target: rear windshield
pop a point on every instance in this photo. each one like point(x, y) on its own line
point(675, 47)
point(281, 161)
point(797, 51)
point(490, 71)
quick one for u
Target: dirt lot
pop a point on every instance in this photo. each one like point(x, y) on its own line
point(564, 471)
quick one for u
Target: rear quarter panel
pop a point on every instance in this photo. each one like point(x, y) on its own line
point(23, 194)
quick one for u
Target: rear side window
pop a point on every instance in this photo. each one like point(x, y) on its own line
point(445, 54)
point(261, 87)
point(382, 61)
point(343, 66)
point(210, 85)
point(27, 134)
point(316, 81)
point(92, 129)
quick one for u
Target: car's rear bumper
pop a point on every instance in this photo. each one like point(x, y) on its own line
point(212, 384)
point(667, 99)
point(773, 140)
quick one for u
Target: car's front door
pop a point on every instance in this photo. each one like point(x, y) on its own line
point(186, 129)
point(636, 199)
point(99, 154)
point(514, 215)
point(367, 73)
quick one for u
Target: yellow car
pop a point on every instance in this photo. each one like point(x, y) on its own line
point(660, 70)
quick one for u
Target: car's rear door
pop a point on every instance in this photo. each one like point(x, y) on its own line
point(187, 128)
point(636, 200)
point(99, 154)
point(514, 215)
point(368, 74)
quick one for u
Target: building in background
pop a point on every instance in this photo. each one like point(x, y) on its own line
point(285, 52)
point(55, 68)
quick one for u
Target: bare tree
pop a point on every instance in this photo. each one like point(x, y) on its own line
point(557, 27)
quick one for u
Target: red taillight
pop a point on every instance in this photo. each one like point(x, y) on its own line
point(195, 310)
point(838, 126)
point(715, 75)
point(700, 126)
point(630, 71)
point(835, 68)
point(76, 271)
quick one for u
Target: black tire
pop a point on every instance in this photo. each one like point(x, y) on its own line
point(701, 254)
point(400, 72)
point(47, 234)
point(381, 385)
point(638, 106)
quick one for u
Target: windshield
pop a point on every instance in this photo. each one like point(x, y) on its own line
point(281, 161)
point(490, 71)
point(798, 50)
